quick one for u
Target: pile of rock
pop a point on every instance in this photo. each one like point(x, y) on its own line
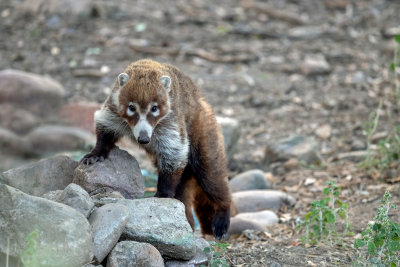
point(91, 214)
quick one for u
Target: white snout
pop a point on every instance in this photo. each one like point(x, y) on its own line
point(142, 127)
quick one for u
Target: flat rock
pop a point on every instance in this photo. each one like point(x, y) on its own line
point(131, 253)
point(49, 174)
point(249, 180)
point(257, 200)
point(63, 234)
point(238, 225)
point(16, 119)
point(55, 138)
point(305, 149)
point(231, 132)
point(201, 257)
point(44, 95)
point(76, 197)
point(161, 222)
point(119, 172)
point(107, 223)
point(265, 217)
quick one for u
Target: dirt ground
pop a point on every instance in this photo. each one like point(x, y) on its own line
point(249, 58)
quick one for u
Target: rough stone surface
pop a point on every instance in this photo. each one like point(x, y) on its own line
point(265, 217)
point(41, 177)
point(231, 132)
point(201, 257)
point(119, 172)
point(249, 180)
point(101, 199)
point(238, 225)
point(107, 224)
point(19, 88)
point(305, 149)
point(54, 138)
point(64, 236)
point(16, 119)
point(69, 7)
point(53, 195)
point(131, 253)
point(161, 222)
point(77, 198)
point(251, 201)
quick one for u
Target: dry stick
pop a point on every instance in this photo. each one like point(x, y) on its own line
point(273, 13)
point(195, 52)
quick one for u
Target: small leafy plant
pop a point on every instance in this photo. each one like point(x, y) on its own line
point(380, 241)
point(217, 251)
point(29, 257)
point(322, 221)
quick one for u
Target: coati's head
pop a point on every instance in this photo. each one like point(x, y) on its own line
point(142, 100)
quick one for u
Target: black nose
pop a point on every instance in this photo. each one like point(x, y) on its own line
point(143, 138)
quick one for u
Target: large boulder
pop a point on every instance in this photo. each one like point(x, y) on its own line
point(238, 225)
point(55, 138)
point(249, 180)
point(200, 259)
point(40, 95)
point(18, 120)
point(161, 222)
point(251, 201)
point(107, 224)
point(49, 174)
point(12, 144)
point(131, 253)
point(119, 172)
point(76, 197)
point(58, 234)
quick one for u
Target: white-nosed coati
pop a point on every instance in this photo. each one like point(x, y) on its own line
point(162, 110)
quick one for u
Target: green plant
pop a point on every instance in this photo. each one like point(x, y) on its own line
point(380, 241)
point(387, 153)
point(322, 221)
point(29, 257)
point(216, 251)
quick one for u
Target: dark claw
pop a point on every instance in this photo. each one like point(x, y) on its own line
point(90, 159)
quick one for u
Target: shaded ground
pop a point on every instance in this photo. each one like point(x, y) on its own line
point(249, 59)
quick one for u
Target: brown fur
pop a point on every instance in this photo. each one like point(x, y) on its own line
point(201, 180)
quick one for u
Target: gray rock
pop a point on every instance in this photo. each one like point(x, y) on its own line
point(63, 236)
point(18, 120)
point(77, 198)
point(131, 253)
point(54, 138)
point(305, 32)
point(43, 94)
point(315, 65)
point(265, 217)
point(161, 222)
point(201, 257)
point(251, 201)
point(101, 199)
point(249, 180)
point(41, 177)
point(305, 149)
point(238, 225)
point(53, 195)
point(69, 7)
point(119, 172)
point(231, 132)
point(107, 224)
point(12, 144)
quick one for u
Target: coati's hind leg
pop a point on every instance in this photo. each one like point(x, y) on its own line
point(184, 193)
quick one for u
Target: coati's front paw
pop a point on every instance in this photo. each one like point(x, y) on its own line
point(220, 224)
point(91, 158)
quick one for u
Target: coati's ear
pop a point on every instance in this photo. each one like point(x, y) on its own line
point(166, 82)
point(123, 78)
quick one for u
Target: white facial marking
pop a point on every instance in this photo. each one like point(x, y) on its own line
point(130, 112)
point(142, 125)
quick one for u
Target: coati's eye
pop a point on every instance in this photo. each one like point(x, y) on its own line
point(132, 108)
point(154, 109)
